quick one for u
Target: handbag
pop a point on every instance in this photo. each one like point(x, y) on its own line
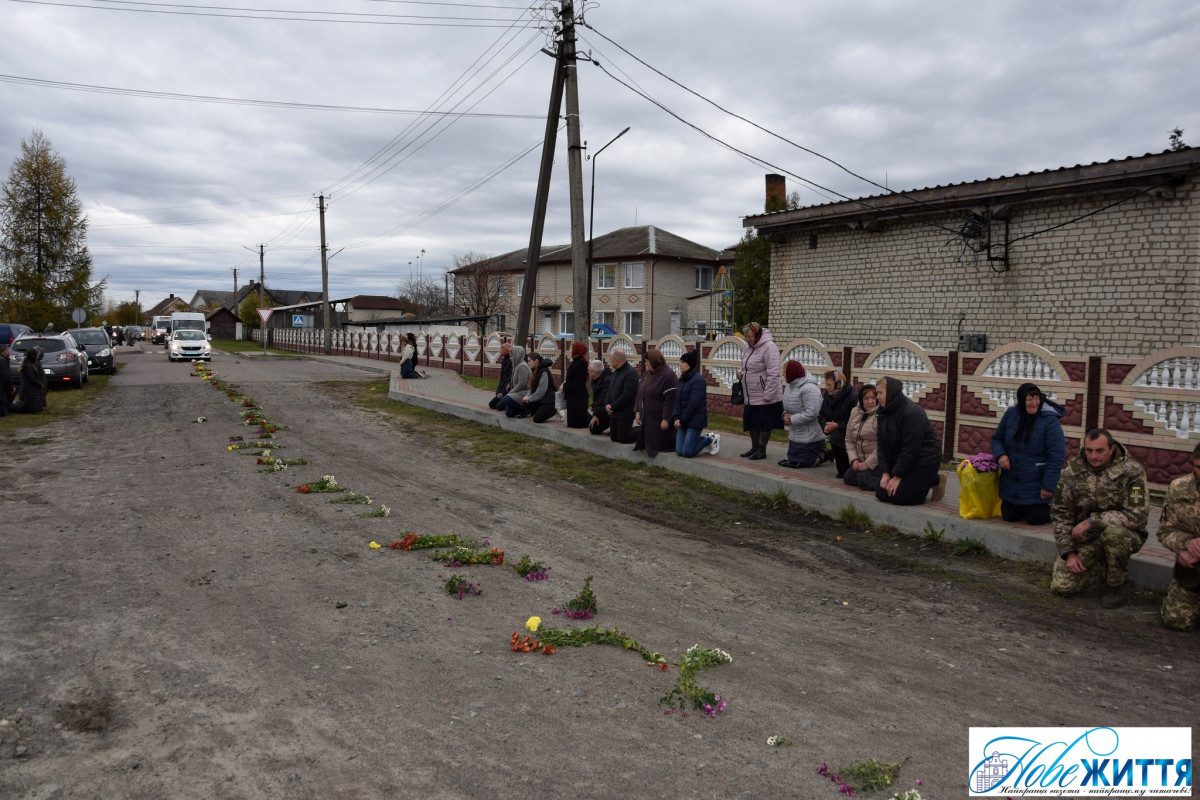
point(560, 401)
point(737, 397)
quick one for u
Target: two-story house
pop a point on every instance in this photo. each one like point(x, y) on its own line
point(644, 281)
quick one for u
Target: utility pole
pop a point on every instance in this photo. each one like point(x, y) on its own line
point(326, 307)
point(579, 264)
point(137, 306)
point(539, 203)
point(262, 299)
point(235, 284)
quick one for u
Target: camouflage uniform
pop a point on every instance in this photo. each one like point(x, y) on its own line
point(1114, 499)
point(1180, 524)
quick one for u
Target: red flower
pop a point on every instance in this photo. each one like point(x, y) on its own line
point(304, 488)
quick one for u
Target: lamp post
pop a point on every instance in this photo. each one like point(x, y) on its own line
point(592, 223)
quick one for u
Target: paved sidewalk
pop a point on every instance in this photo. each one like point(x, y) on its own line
point(444, 391)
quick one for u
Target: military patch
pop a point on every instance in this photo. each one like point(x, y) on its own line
point(1137, 495)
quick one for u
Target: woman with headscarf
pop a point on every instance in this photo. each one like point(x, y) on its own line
point(1030, 449)
point(575, 387)
point(759, 375)
point(839, 400)
point(862, 442)
point(655, 404)
point(511, 403)
point(801, 404)
point(540, 400)
point(33, 383)
point(691, 410)
point(408, 357)
point(910, 452)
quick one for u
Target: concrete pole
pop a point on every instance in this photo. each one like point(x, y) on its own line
point(327, 306)
point(579, 260)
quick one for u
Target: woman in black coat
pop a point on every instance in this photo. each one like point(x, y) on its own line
point(575, 388)
point(839, 401)
point(33, 383)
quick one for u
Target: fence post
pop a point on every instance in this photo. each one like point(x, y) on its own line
point(950, 432)
point(1091, 418)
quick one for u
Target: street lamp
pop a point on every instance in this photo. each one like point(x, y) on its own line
point(592, 222)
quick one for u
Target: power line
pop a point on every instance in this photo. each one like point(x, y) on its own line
point(278, 15)
point(241, 101)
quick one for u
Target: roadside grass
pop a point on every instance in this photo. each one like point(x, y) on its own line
point(651, 490)
point(479, 383)
point(60, 404)
point(242, 346)
point(686, 496)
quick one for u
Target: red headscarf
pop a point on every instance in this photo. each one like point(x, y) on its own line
point(793, 369)
point(578, 349)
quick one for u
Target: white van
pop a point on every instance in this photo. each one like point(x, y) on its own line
point(160, 329)
point(188, 320)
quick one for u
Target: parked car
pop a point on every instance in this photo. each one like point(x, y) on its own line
point(95, 343)
point(187, 345)
point(62, 358)
point(134, 333)
point(10, 331)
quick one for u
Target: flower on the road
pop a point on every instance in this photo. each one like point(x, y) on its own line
point(532, 623)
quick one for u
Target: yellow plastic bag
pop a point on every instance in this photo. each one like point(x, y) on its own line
point(979, 496)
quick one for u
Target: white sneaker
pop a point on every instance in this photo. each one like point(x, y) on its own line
point(715, 446)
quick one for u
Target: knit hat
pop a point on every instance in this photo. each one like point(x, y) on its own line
point(793, 369)
point(691, 358)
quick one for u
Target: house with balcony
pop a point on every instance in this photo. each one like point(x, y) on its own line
point(644, 283)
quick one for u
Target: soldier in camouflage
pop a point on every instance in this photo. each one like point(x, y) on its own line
point(1099, 514)
point(1179, 531)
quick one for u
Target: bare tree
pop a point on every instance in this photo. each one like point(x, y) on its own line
point(480, 290)
point(426, 294)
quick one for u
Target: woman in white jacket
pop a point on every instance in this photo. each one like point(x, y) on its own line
point(801, 405)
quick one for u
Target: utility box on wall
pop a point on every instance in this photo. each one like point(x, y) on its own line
point(972, 342)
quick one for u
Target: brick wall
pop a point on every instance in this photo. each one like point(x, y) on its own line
point(1122, 282)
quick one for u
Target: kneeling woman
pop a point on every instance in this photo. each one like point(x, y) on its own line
point(801, 406)
point(862, 434)
point(691, 410)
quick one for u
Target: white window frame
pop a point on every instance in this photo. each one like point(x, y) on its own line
point(501, 323)
point(566, 322)
point(701, 273)
point(627, 319)
point(634, 275)
point(606, 316)
point(520, 285)
point(606, 276)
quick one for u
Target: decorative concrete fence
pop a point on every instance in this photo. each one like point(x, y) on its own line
point(1151, 406)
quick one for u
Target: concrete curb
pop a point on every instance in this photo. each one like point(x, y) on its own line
point(1003, 539)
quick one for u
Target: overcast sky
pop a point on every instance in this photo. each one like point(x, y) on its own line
point(179, 192)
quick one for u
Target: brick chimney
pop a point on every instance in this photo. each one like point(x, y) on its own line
point(776, 192)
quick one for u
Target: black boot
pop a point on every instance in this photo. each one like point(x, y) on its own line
point(758, 455)
point(753, 449)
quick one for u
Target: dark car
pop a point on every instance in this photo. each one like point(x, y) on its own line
point(9, 331)
point(62, 359)
point(134, 333)
point(96, 344)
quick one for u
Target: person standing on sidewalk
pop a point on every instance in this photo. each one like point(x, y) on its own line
point(909, 450)
point(8, 392)
point(622, 397)
point(759, 375)
point(1099, 511)
point(1179, 532)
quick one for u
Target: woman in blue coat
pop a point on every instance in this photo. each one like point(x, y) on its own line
point(1030, 449)
point(691, 410)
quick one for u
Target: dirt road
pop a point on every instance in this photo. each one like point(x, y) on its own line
point(176, 624)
